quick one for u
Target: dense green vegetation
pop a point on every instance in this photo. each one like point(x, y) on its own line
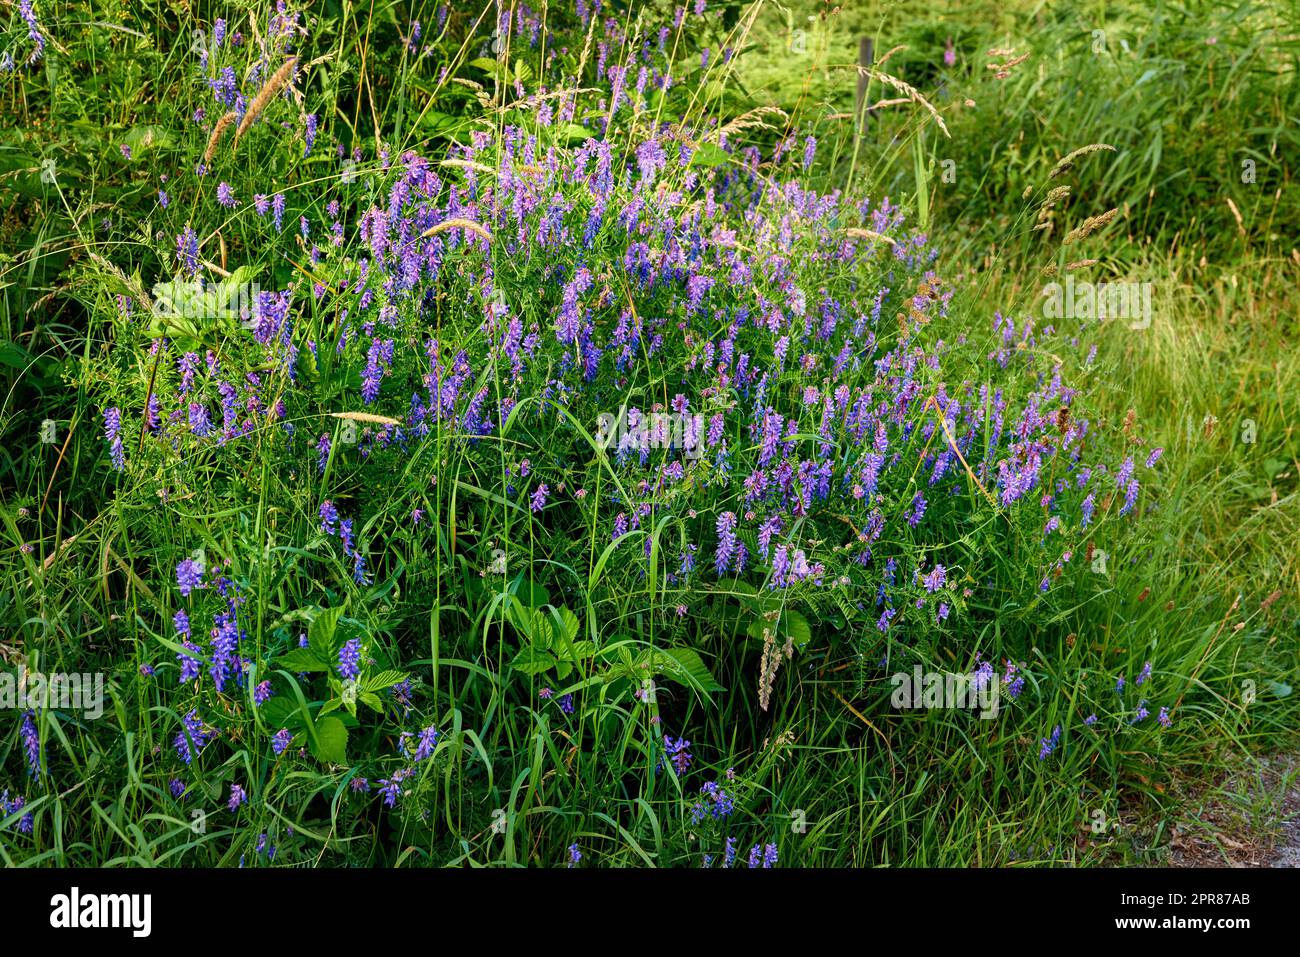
point(352, 362)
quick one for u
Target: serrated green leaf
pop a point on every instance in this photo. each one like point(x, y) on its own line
point(385, 679)
point(533, 661)
point(321, 634)
point(301, 659)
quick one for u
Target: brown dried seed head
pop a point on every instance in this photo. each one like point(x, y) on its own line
point(264, 96)
point(1090, 226)
point(222, 125)
point(1068, 161)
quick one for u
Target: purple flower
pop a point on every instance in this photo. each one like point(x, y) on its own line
point(575, 855)
point(187, 251)
point(1048, 745)
point(390, 789)
point(763, 856)
point(566, 703)
point(809, 151)
point(226, 196)
point(33, 30)
point(191, 660)
point(189, 576)
point(1087, 509)
point(726, 552)
point(199, 420)
point(112, 432)
point(1144, 674)
point(1130, 497)
point(349, 666)
point(237, 797)
point(677, 750)
point(538, 500)
point(329, 516)
point(262, 693)
point(719, 805)
point(1154, 457)
point(194, 730)
point(650, 159)
point(428, 741)
point(281, 740)
point(937, 578)
point(31, 744)
point(1013, 682)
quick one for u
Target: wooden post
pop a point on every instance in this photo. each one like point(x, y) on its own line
point(865, 59)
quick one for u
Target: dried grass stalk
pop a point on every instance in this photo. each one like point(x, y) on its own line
point(754, 118)
point(456, 223)
point(365, 417)
point(1068, 162)
point(910, 92)
point(1090, 226)
point(859, 233)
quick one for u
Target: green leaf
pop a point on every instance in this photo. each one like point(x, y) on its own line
point(533, 596)
point(321, 633)
point(385, 679)
point(689, 666)
point(533, 661)
point(332, 738)
point(568, 625)
point(144, 138)
point(709, 154)
point(541, 635)
point(791, 625)
point(301, 659)
point(682, 665)
point(281, 713)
